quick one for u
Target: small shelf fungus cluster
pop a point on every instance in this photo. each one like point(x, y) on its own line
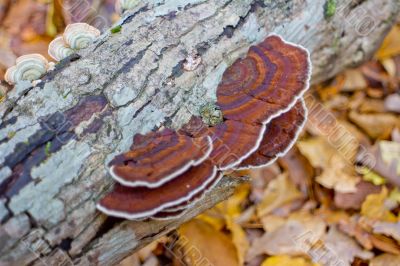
point(32, 67)
point(164, 173)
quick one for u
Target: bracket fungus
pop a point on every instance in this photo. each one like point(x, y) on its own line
point(29, 67)
point(279, 137)
point(76, 36)
point(159, 157)
point(58, 49)
point(260, 96)
point(266, 83)
point(80, 35)
point(142, 202)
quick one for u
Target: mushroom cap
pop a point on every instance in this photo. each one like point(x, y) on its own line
point(28, 67)
point(141, 202)
point(159, 157)
point(80, 35)
point(279, 137)
point(58, 49)
point(266, 83)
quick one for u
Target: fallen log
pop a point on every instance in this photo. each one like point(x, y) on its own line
point(57, 137)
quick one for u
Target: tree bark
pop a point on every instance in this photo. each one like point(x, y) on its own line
point(57, 137)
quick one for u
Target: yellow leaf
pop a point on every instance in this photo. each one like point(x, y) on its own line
point(395, 195)
point(374, 207)
point(371, 176)
point(213, 217)
point(239, 239)
point(204, 245)
point(286, 261)
point(232, 206)
point(279, 192)
point(391, 44)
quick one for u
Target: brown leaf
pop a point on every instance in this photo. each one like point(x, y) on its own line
point(292, 238)
point(376, 125)
point(343, 248)
point(260, 177)
point(299, 168)
point(385, 244)
point(355, 199)
point(372, 106)
point(279, 192)
point(352, 228)
point(385, 260)
point(354, 80)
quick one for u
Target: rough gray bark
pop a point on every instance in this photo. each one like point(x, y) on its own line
point(56, 138)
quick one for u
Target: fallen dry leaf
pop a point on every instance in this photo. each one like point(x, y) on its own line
point(342, 249)
point(279, 192)
point(388, 229)
point(238, 238)
point(351, 227)
point(390, 66)
point(370, 176)
point(354, 80)
point(372, 106)
point(272, 222)
point(260, 177)
point(204, 245)
point(317, 151)
point(299, 168)
point(355, 199)
point(374, 207)
point(391, 44)
point(339, 175)
point(376, 125)
point(385, 260)
point(286, 261)
point(300, 231)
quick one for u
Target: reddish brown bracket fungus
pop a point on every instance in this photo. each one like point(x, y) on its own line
point(266, 83)
point(142, 202)
point(179, 209)
point(159, 157)
point(234, 141)
point(260, 96)
point(279, 137)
